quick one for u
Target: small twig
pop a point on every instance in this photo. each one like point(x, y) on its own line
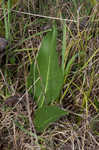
point(42, 16)
point(93, 138)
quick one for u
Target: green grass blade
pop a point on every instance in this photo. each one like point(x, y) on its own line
point(63, 46)
point(9, 16)
point(70, 63)
point(5, 21)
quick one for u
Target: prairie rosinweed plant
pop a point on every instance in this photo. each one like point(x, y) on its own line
point(48, 78)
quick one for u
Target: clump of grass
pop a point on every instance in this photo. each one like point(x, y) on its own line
point(7, 18)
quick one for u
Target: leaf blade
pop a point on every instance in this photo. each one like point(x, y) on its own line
point(49, 71)
point(46, 115)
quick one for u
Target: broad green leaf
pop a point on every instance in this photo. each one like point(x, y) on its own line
point(46, 115)
point(47, 68)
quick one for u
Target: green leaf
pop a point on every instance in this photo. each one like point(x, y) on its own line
point(51, 75)
point(46, 115)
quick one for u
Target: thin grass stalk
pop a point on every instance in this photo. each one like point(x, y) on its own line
point(9, 16)
point(63, 46)
point(5, 21)
point(75, 4)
